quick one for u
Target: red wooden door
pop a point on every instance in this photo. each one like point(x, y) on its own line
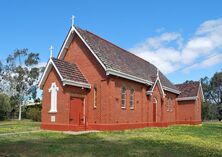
point(154, 111)
point(76, 111)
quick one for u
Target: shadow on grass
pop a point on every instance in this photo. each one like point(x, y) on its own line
point(95, 146)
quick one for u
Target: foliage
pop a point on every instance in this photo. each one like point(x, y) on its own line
point(20, 76)
point(1, 76)
point(212, 88)
point(0, 66)
point(189, 81)
point(202, 140)
point(209, 111)
point(4, 106)
point(34, 113)
point(219, 112)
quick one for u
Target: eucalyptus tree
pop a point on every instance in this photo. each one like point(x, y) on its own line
point(212, 88)
point(20, 76)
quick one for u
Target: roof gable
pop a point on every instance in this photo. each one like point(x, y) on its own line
point(190, 90)
point(159, 84)
point(68, 73)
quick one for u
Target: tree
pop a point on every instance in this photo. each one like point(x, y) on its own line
point(0, 75)
point(20, 76)
point(189, 81)
point(212, 92)
point(4, 105)
point(216, 84)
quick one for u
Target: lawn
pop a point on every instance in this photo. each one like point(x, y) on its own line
point(201, 140)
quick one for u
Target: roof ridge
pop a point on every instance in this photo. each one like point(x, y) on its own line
point(126, 51)
point(185, 83)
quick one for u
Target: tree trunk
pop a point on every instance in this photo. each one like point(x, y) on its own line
point(20, 111)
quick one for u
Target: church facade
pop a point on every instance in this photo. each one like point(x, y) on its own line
point(96, 85)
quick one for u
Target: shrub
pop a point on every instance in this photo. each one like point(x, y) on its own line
point(34, 113)
point(4, 106)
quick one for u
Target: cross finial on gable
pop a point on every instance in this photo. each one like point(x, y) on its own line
point(73, 20)
point(157, 73)
point(51, 49)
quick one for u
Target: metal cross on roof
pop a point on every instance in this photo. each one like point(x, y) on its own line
point(51, 49)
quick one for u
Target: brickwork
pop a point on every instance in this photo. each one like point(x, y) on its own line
point(108, 114)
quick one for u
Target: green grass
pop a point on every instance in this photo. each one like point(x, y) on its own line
point(201, 140)
point(18, 126)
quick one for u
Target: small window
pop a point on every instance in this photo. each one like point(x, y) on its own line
point(123, 97)
point(132, 92)
point(171, 105)
point(168, 104)
point(95, 97)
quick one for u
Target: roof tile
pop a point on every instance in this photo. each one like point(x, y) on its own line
point(116, 58)
point(188, 89)
point(69, 71)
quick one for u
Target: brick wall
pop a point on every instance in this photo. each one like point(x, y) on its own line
point(108, 113)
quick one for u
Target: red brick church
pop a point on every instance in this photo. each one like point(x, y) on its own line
point(96, 85)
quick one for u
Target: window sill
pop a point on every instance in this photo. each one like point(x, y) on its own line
point(123, 108)
point(52, 112)
point(131, 108)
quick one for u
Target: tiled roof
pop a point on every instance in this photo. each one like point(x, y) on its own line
point(116, 58)
point(69, 71)
point(188, 89)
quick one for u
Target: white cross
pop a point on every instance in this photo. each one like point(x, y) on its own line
point(53, 89)
point(51, 49)
point(73, 19)
point(157, 73)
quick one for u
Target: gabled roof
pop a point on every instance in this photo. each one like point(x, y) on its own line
point(117, 61)
point(189, 91)
point(69, 73)
point(159, 84)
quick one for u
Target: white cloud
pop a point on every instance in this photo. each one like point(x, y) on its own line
point(161, 29)
point(210, 61)
point(41, 64)
point(169, 52)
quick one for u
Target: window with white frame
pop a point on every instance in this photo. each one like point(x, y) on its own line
point(123, 97)
point(95, 96)
point(54, 91)
point(132, 95)
point(169, 104)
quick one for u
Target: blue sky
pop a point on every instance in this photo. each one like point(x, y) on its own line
point(182, 38)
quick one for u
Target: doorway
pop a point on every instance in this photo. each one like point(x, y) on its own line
point(76, 116)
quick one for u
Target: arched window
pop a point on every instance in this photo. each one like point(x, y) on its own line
point(123, 97)
point(95, 96)
point(154, 100)
point(168, 104)
point(171, 104)
point(132, 93)
point(155, 110)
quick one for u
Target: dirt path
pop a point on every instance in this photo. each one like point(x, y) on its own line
point(16, 133)
point(65, 132)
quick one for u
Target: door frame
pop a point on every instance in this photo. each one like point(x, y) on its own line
point(84, 106)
